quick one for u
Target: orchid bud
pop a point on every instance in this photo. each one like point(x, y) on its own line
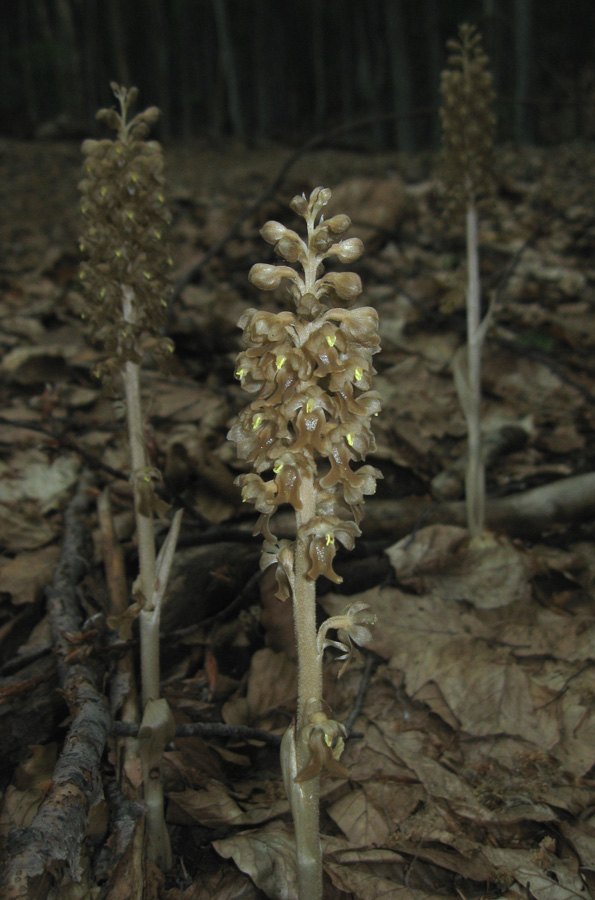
point(273, 231)
point(348, 251)
point(267, 278)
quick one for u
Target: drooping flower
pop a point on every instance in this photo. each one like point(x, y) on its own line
point(352, 627)
point(325, 739)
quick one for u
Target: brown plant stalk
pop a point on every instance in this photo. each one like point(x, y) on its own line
point(125, 278)
point(468, 125)
point(305, 433)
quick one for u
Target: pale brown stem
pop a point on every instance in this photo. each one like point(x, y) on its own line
point(306, 818)
point(150, 614)
point(475, 477)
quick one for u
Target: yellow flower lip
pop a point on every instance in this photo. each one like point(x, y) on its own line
point(309, 406)
point(256, 421)
point(277, 467)
point(358, 374)
point(349, 440)
point(331, 339)
point(240, 373)
point(279, 362)
point(330, 539)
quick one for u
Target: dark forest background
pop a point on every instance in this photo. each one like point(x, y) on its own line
point(269, 69)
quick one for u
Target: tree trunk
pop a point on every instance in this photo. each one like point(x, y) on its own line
point(400, 74)
point(229, 67)
point(522, 80)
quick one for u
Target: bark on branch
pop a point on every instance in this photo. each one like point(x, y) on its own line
point(39, 854)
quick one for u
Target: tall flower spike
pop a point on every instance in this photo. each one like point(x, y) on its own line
point(468, 124)
point(125, 220)
point(467, 115)
point(306, 432)
point(124, 272)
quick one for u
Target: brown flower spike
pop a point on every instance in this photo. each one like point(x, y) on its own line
point(467, 116)
point(125, 220)
point(311, 372)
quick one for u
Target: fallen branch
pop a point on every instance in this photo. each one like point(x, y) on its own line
point(528, 514)
point(39, 854)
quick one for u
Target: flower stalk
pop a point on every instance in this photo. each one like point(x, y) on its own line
point(124, 275)
point(468, 125)
point(306, 433)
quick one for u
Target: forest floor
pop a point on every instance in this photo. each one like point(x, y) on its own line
point(472, 753)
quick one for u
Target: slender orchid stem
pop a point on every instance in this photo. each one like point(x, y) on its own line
point(309, 852)
point(475, 476)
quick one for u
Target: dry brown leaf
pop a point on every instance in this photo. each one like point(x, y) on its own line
point(34, 477)
point(488, 572)
point(369, 874)
point(32, 779)
point(277, 617)
point(435, 640)
point(215, 805)
point(227, 885)
point(267, 856)
point(24, 576)
point(360, 821)
point(553, 879)
point(211, 807)
point(379, 204)
point(389, 803)
point(21, 527)
point(272, 685)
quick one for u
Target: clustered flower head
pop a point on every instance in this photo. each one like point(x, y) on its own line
point(468, 119)
point(310, 372)
point(125, 219)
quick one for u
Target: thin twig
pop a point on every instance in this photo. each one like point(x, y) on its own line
point(371, 663)
point(208, 729)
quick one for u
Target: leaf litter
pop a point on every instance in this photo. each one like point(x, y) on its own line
point(471, 759)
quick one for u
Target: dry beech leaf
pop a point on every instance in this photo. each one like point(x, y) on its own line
point(267, 856)
point(21, 527)
point(211, 807)
point(215, 806)
point(487, 572)
point(558, 882)
point(359, 820)
point(272, 685)
point(227, 885)
point(368, 873)
point(367, 816)
point(28, 573)
point(34, 477)
point(435, 640)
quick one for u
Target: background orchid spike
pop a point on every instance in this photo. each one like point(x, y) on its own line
point(468, 125)
point(125, 220)
point(125, 274)
point(306, 433)
point(467, 115)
